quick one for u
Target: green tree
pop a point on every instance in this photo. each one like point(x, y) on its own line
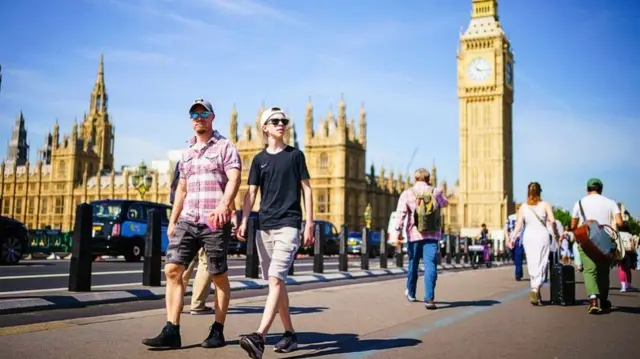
point(633, 226)
point(562, 215)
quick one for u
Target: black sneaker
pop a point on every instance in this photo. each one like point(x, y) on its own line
point(169, 337)
point(253, 344)
point(215, 338)
point(605, 304)
point(287, 344)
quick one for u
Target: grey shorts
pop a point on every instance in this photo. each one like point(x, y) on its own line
point(277, 248)
point(189, 237)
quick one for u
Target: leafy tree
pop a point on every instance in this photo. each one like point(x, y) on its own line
point(562, 215)
point(633, 226)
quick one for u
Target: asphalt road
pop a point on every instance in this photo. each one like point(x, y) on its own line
point(53, 275)
point(482, 314)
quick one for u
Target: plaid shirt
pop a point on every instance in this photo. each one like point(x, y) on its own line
point(204, 170)
point(406, 208)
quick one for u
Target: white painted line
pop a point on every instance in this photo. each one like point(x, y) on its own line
point(136, 271)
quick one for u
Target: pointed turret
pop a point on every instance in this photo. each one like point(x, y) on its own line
point(233, 126)
point(362, 130)
point(342, 116)
point(308, 122)
point(434, 174)
point(18, 147)
point(99, 97)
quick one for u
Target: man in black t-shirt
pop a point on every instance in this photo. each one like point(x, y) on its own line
point(280, 172)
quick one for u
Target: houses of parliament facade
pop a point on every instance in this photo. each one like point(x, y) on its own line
point(79, 166)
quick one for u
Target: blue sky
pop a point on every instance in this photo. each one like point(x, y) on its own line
point(575, 114)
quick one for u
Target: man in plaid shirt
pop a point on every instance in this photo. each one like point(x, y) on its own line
point(201, 217)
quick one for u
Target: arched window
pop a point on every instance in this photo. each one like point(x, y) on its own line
point(323, 162)
point(62, 169)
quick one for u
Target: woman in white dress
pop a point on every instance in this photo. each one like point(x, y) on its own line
point(534, 216)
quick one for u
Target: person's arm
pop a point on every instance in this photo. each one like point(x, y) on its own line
point(615, 210)
point(441, 198)
point(519, 223)
point(254, 184)
point(575, 217)
point(402, 210)
point(181, 194)
point(307, 193)
point(551, 219)
point(232, 166)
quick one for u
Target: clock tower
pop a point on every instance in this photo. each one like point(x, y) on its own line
point(485, 93)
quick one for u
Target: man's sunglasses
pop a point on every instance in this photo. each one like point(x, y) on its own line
point(276, 121)
point(203, 114)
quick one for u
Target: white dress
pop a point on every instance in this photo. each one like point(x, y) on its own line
point(535, 240)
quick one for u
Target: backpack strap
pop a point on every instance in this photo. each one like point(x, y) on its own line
point(584, 217)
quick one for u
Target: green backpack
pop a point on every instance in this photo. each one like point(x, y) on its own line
point(427, 214)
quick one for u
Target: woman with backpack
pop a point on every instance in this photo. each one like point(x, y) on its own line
point(535, 215)
point(421, 204)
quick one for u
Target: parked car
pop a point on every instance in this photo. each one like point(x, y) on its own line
point(14, 239)
point(328, 233)
point(354, 244)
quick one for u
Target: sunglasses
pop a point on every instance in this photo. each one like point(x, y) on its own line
point(203, 114)
point(277, 121)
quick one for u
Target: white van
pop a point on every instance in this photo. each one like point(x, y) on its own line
point(392, 234)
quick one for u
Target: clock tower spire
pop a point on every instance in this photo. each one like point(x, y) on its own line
point(485, 93)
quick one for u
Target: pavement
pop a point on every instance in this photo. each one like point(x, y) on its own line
point(481, 314)
point(19, 301)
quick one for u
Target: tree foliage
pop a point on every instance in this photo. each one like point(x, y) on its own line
point(562, 215)
point(633, 226)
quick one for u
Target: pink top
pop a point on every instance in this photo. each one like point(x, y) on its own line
point(205, 170)
point(407, 207)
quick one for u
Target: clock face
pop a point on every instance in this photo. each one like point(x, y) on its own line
point(479, 69)
point(509, 73)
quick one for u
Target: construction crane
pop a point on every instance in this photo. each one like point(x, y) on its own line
point(413, 155)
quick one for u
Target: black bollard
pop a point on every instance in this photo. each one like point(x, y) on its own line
point(252, 261)
point(151, 268)
point(318, 251)
point(458, 256)
point(81, 252)
point(383, 249)
point(447, 249)
point(364, 249)
point(291, 267)
point(343, 257)
point(399, 256)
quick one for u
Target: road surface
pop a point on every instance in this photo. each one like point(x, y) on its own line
point(36, 276)
point(482, 314)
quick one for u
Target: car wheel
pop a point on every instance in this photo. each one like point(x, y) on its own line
point(11, 250)
point(134, 254)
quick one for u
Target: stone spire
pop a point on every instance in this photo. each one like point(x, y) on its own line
point(18, 147)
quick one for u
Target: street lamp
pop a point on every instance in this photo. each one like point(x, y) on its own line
point(142, 180)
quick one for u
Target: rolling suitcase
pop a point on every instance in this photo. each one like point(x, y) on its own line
point(563, 282)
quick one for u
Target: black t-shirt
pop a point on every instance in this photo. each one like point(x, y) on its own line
point(278, 176)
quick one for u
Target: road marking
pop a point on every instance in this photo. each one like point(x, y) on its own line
point(442, 323)
point(237, 278)
point(135, 271)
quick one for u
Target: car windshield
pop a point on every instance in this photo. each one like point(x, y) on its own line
point(357, 235)
point(107, 209)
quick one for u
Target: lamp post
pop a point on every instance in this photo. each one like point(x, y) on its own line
point(142, 180)
point(367, 216)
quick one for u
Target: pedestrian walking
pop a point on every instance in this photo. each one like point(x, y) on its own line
point(533, 218)
point(605, 211)
point(280, 173)
point(201, 218)
point(421, 204)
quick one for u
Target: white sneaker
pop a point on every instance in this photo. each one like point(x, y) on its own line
point(623, 287)
point(409, 298)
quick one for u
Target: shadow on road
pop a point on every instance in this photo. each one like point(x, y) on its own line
point(471, 303)
point(321, 344)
